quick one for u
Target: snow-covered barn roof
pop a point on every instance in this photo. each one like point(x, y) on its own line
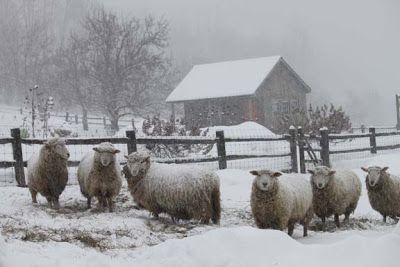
point(224, 79)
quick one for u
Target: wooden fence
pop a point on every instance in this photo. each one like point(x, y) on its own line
point(18, 162)
point(299, 147)
point(325, 139)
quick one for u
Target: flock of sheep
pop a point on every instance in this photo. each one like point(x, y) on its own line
point(278, 201)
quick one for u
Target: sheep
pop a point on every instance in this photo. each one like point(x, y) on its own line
point(335, 192)
point(279, 203)
point(48, 171)
point(99, 175)
point(183, 192)
point(383, 191)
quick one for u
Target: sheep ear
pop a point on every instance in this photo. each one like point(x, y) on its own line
point(364, 169)
point(96, 149)
point(384, 169)
point(116, 151)
point(310, 171)
point(254, 173)
point(125, 156)
point(276, 174)
point(331, 172)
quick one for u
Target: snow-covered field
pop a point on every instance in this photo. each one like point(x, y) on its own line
point(39, 236)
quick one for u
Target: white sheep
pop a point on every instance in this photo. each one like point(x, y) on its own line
point(183, 192)
point(383, 191)
point(279, 203)
point(48, 171)
point(99, 175)
point(336, 192)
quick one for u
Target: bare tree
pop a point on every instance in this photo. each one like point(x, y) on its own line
point(74, 84)
point(29, 31)
point(125, 61)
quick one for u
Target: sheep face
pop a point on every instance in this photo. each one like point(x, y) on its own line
point(57, 146)
point(374, 174)
point(265, 179)
point(137, 163)
point(321, 176)
point(106, 153)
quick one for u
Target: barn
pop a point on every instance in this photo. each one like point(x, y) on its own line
point(231, 92)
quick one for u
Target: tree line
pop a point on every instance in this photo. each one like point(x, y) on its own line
point(85, 56)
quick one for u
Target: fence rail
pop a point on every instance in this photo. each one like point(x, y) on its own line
point(132, 142)
point(299, 148)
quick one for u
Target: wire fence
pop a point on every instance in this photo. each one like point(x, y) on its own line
point(230, 148)
point(239, 150)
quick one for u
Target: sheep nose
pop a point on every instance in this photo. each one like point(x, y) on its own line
point(320, 185)
point(265, 184)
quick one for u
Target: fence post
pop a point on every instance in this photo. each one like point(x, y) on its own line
point(85, 120)
point(132, 144)
point(301, 149)
point(221, 149)
point(105, 121)
point(17, 155)
point(397, 112)
point(325, 146)
point(372, 140)
point(76, 119)
point(67, 116)
point(293, 148)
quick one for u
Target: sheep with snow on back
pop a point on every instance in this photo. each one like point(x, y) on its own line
point(280, 202)
point(336, 192)
point(99, 175)
point(383, 191)
point(183, 192)
point(48, 171)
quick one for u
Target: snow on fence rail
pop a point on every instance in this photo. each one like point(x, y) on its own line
point(226, 153)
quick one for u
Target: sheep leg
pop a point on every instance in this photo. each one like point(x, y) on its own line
point(101, 203)
point(384, 218)
point(337, 220)
point(205, 220)
point(110, 204)
point(323, 219)
point(346, 217)
point(33, 195)
point(305, 230)
point(56, 204)
point(89, 202)
point(290, 229)
point(49, 201)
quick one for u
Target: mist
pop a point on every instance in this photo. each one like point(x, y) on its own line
point(347, 51)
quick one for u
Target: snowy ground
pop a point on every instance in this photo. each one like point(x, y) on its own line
point(38, 236)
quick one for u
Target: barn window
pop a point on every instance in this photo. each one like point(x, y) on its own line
point(282, 106)
point(294, 105)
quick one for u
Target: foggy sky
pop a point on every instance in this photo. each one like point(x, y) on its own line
point(347, 51)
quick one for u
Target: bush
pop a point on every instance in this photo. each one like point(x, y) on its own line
point(335, 119)
point(155, 126)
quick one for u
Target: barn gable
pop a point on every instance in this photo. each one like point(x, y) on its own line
point(227, 79)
